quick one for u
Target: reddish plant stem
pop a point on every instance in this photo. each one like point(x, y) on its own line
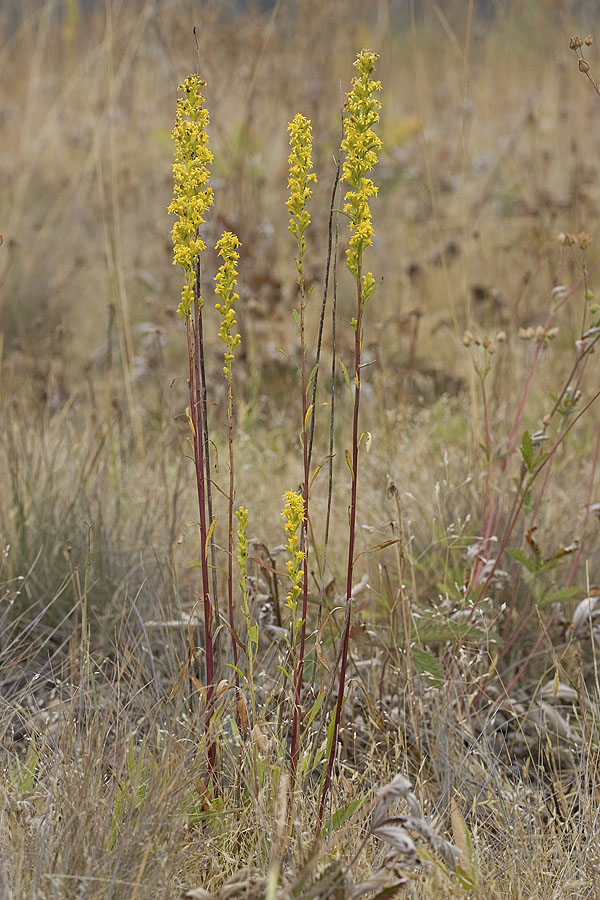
point(299, 673)
point(230, 539)
point(197, 420)
point(351, 541)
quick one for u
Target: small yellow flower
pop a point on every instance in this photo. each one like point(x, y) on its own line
point(293, 513)
point(361, 146)
point(299, 181)
point(192, 195)
point(226, 280)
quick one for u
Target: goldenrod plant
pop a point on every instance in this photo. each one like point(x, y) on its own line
point(226, 279)
point(193, 196)
point(361, 146)
point(300, 179)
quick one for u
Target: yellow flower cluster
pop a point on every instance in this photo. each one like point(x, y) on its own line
point(226, 280)
point(293, 513)
point(361, 146)
point(299, 180)
point(191, 194)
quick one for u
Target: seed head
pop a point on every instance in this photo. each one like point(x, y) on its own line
point(566, 239)
point(584, 240)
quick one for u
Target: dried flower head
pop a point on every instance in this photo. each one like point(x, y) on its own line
point(575, 43)
point(566, 239)
point(361, 146)
point(584, 240)
point(589, 40)
point(192, 195)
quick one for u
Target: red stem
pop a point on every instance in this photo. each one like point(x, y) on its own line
point(351, 540)
point(299, 674)
point(197, 420)
point(230, 533)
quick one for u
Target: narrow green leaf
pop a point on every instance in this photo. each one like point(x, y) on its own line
point(527, 450)
point(315, 709)
point(345, 812)
point(311, 378)
point(346, 375)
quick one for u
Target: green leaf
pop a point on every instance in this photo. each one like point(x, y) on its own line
point(346, 375)
point(527, 450)
point(522, 557)
point(566, 593)
point(253, 635)
point(346, 812)
point(311, 378)
point(429, 665)
point(315, 709)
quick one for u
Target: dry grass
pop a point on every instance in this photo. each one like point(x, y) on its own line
point(488, 130)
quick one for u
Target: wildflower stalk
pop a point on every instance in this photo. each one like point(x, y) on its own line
point(299, 181)
point(252, 630)
point(361, 146)
point(227, 248)
point(192, 197)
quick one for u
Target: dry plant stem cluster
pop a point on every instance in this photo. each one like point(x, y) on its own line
point(577, 44)
point(584, 347)
point(567, 403)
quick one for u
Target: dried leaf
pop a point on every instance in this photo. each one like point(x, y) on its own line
point(259, 740)
point(199, 894)
point(396, 837)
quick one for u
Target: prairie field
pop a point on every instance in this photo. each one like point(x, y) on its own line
point(318, 618)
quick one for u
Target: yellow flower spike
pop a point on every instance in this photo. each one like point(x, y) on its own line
point(299, 181)
point(361, 146)
point(293, 513)
point(192, 195)
point(226, 280)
